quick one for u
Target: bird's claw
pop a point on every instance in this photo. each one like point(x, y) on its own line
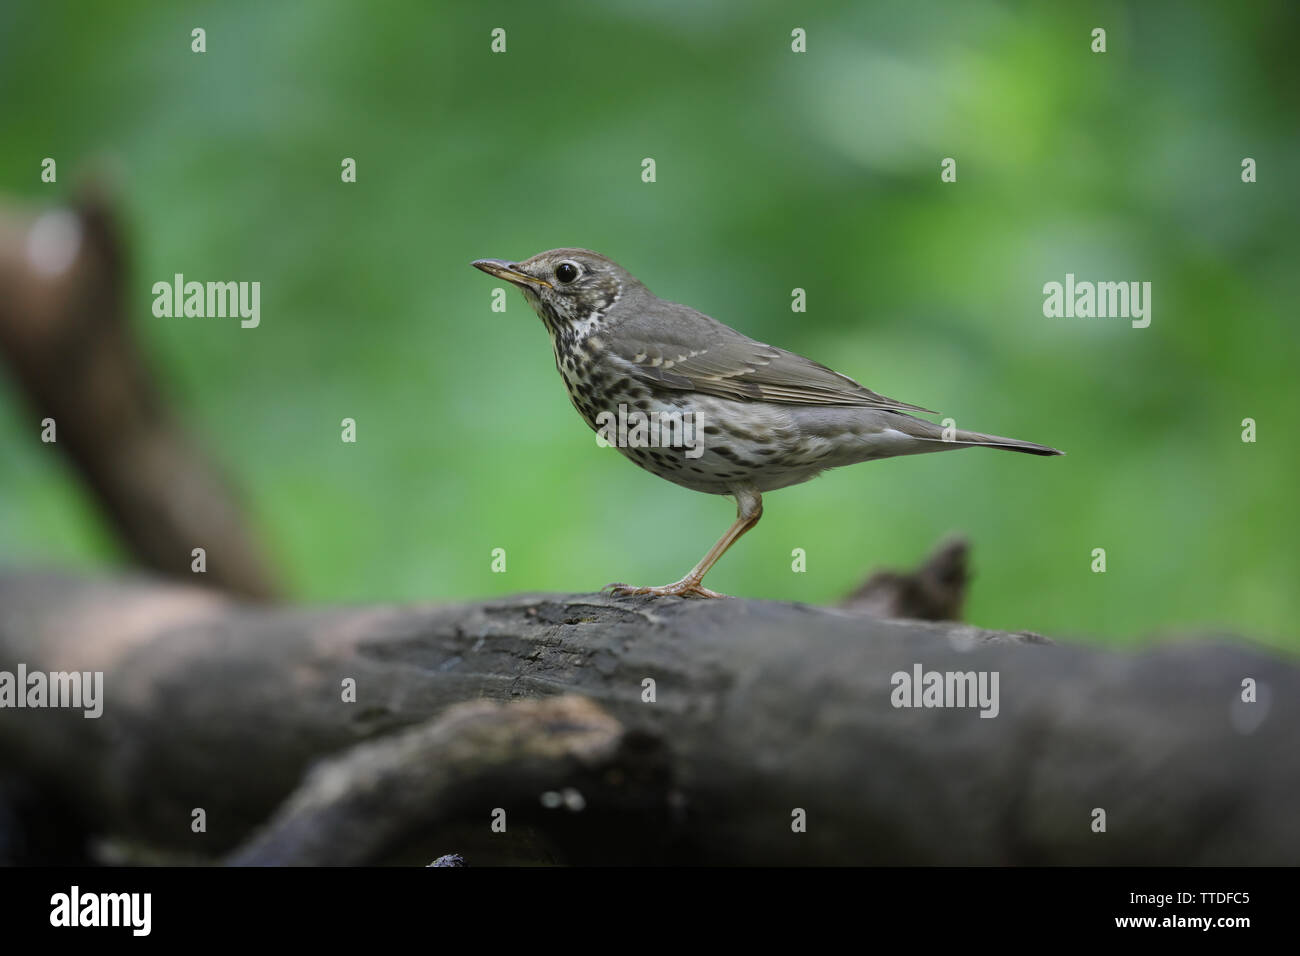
point(683, 588)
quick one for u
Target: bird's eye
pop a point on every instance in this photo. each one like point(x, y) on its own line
point(566, 272)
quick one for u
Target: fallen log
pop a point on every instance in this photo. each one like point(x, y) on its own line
point(760, 715)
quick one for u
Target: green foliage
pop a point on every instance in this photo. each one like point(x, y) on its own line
point(775, 170)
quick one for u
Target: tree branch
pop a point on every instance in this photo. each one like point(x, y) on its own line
point(65, 332)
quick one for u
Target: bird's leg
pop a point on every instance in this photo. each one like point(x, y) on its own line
point(749, 508)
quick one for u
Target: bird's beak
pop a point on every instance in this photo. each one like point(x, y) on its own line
point(508, 271)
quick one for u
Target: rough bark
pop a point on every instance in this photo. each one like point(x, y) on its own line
point(760, 709)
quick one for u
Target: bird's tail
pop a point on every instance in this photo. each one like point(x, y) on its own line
point(1010, 444)
point(937, 438)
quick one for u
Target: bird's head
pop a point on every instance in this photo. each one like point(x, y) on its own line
point(570, 289)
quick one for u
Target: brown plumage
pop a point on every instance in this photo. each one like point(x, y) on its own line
point(765, 418)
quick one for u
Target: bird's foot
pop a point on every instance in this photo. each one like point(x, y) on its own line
point(683, 588)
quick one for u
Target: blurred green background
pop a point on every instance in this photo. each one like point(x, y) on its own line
point(775, 170)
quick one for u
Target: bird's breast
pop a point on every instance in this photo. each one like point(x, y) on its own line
point(575, 360)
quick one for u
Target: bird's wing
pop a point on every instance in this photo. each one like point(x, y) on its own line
point(692, 352)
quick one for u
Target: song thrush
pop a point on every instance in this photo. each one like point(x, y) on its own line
point(769, 418)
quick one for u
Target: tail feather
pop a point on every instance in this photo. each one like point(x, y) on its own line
point(1010, 444)
point(935, 439)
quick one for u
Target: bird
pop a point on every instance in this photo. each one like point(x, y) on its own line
point(744, 418)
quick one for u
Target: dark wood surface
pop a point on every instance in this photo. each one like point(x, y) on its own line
point(761, 708)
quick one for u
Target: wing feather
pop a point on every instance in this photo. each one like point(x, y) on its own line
point(686, 350)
